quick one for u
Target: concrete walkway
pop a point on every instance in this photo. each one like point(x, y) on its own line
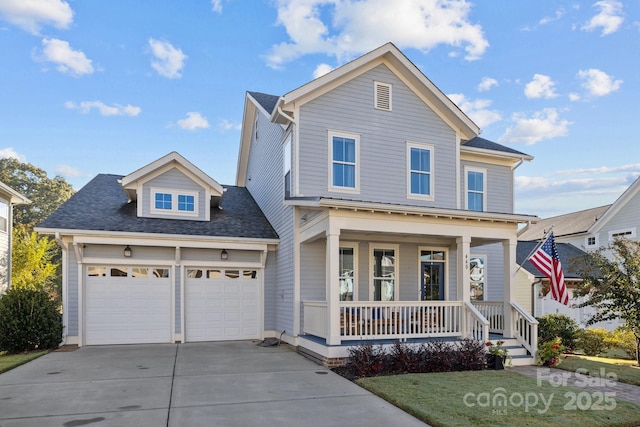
point(622, 391)
point(199, 384)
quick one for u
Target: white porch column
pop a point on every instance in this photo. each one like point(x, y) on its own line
point(509, 260)
point(333, 291)
point(464, 280)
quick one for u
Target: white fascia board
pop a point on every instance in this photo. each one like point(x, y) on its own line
point(14, 197)
point(632, 191)
point(494, 154)
point(420, 211)
point(246, 131)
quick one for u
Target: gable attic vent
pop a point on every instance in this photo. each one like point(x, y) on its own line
point(382, 96)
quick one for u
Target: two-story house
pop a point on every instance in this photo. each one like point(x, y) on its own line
point(8, 199)
point(586, 230)
point(395, 218)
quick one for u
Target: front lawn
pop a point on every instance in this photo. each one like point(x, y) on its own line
point(499, 398)
point(10, 361)
point(626, 371)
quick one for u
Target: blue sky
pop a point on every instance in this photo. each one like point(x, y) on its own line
point(99, 86)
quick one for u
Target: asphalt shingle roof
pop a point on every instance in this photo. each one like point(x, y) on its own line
point(564, 225)
point(102, 205)
point(485, 144)
point(567, 252)
point(268, 102)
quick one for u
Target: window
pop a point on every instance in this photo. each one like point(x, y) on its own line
point(476, 194)
point(382, 96)
point(250, 274)
point(343, 152)
point(4, 217)
point(347, 273)
point(96, 271)
point(622, 234)
point(119, 272)
point(420, 166)
point(384, 274)
point(180, 202)
point(591, 241)
point(477, 269)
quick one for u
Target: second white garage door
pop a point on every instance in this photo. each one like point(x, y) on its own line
point(222, 304)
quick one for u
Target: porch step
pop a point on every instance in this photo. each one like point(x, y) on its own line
point(522, 360)
point(519, 355)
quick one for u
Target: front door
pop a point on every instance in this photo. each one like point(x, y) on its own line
point(432, 287)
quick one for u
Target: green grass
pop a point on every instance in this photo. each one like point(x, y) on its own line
point(10, 361)
point(467, 399)
point(624, 369)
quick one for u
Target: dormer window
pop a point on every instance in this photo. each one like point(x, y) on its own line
point(173, 202)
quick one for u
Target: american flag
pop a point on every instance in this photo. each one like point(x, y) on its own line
point(547, 261)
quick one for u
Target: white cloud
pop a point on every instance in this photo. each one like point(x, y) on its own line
point(168, 61)
point(10, 153)
point(105, 110)
point(559, 14)
point(359, 26)
point(633, 167)
point(30, 15)
point(478, 110)
point(321, 70)
point(193, 121)
point(226, 125)
point(486, 84)
point(67, 171)
point(541, 125)
point(574, 97)
point(598, 83)
point(67, 60)
point(540, 87)
point(609, 19)
point(216, 6)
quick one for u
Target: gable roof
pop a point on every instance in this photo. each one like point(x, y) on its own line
point(629, 193)
point(481, 145)
point(411, 75)
point(564, 225)
point(240, 216)
point(172, 160)
point(12, 195)
point(266, 101)
point(566, 253)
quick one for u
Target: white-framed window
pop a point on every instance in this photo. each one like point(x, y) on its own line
point(432, 273)
point(174, 202)
point(420, 182)
point(344, 154)
point(476, 189)
point(383, 283)
point(591, 241)
point(382, 96)
point(478, 277)
point(4, 216)
point(626, 233)
point(286, 154)
point(348, 270)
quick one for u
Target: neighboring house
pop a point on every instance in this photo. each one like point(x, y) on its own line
point(589, 230)
point(163, 254)
point(8, 198)
point(395, 219)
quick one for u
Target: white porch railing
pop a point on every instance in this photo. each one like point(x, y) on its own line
point(493, 311)
point(398, 320)
point(525, 328)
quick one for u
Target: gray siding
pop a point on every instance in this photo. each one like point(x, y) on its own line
point(173, 180)
point(499, 186)
point(494, 274)
point(265, 182)
point(72, 289)
point(627, 217)
point(313, 266)
point(383, 138)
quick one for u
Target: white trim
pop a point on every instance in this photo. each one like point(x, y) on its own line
point(483, 171)
point(175, 193)
point(629, 233)
point(445, 261)
point(354, 246)
point(356, 137)
point(376, 85)
point(384, 246)
point(427, 147)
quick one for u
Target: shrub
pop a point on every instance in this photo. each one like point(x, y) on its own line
point(593, 341)
point(30, 320)
point(558, 325)
point(624, 339)
point(550, 352)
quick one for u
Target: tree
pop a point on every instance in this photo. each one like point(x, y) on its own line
point(46, 194)
point(611, 285)
point(32, 266)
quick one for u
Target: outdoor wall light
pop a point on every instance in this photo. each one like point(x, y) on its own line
point(127, 251)
point(224, 254)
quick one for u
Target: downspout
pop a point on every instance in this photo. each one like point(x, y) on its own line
point(286, 116)
point(65, 287)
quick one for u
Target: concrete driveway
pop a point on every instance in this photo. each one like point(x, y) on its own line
point(199, 384)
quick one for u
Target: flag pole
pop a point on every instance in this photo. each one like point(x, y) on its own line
point(540, 243)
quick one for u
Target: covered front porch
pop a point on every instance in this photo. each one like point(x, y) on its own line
point(378, 276)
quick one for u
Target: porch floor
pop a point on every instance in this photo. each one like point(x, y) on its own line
point(351, 343)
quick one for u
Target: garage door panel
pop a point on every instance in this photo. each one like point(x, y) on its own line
point(222, 308)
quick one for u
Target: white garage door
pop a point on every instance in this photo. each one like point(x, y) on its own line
point(222, 304)
point(127, 305)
